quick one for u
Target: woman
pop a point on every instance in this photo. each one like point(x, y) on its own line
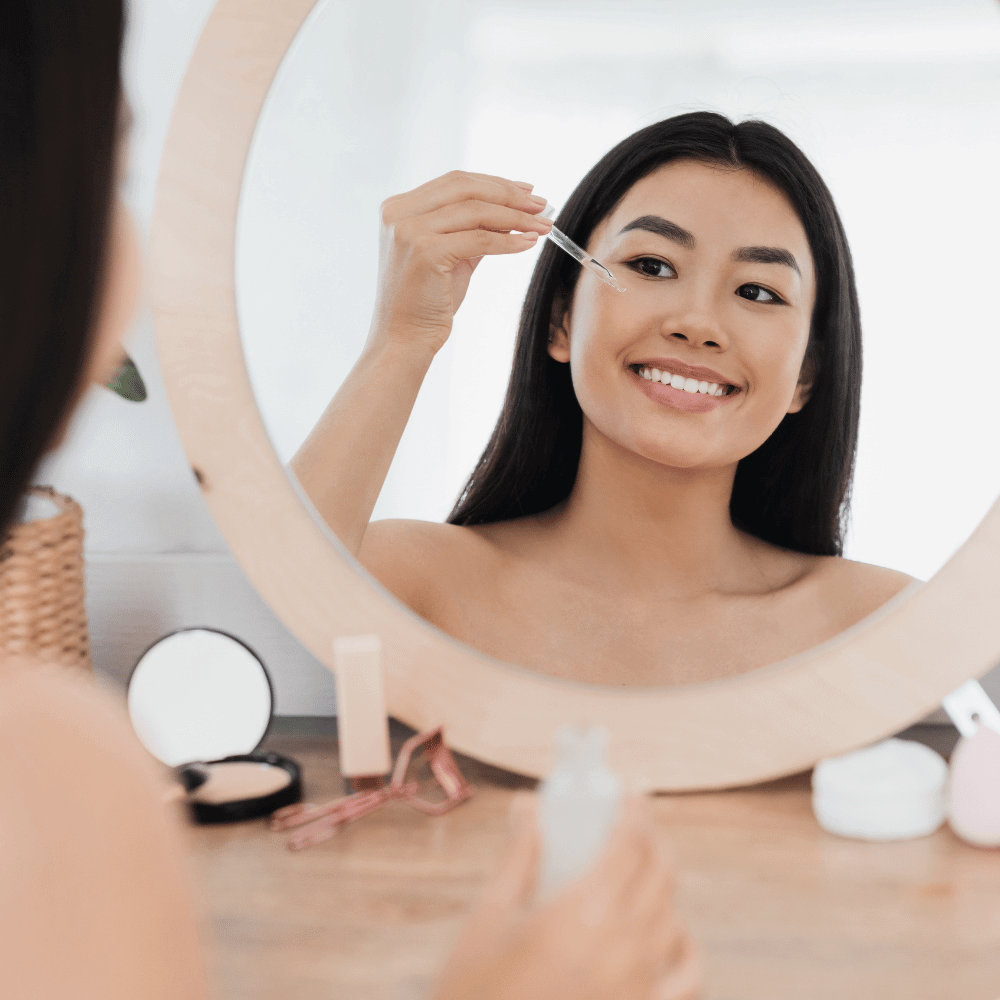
point(95, 891)
point(618, 529)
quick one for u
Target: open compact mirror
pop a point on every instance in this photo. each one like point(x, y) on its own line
point(217, 184)
point(201, 702)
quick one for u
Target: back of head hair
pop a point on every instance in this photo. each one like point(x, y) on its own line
point(59, 114)
point(794, 490)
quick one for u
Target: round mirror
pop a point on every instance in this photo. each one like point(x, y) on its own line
point(859, 687)
point(199, 695)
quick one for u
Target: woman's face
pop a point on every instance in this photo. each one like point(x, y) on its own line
point(720, 288)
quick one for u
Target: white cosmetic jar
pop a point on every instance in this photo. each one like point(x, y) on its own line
point(894, 790)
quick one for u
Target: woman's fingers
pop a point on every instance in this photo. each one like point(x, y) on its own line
point(456, 187)
point(467, 230)
point(460, 246)
point(630, 850)
point(683, 978)
point(514, 883)
point(463, 216)
point(650, 901)
point(431, 241)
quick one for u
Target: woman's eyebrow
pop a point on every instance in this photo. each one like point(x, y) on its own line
point(751, 255)
point(767, 255)
point(662, 227)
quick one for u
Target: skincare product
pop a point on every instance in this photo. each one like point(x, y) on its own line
point(577, 252)
point(974, 788)
point(578, 806)
point(893, 790)
point(201, 702)
point(974, 778)
point(362, 722)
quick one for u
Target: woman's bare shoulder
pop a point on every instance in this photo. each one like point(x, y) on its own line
point(64, 714)
point(416, 560)
point(82, 811)
point(859, 588)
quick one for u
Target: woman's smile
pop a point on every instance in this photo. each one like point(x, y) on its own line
point(693, 389)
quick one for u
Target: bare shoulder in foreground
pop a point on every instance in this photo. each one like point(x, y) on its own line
point(91, 859)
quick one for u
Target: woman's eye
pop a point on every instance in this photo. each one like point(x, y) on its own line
point(757, 293)
point(654, 267)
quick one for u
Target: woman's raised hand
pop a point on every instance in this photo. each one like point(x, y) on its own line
point(612, 935)
point(430, 242)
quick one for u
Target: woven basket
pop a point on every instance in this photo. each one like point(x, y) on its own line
point(42, 610)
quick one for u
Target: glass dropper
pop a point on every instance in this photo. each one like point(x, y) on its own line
point(578, 253)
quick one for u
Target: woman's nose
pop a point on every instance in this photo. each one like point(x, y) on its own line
point(696, 323)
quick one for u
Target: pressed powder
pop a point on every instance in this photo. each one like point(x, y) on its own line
point(234, 781)
point(201, 702)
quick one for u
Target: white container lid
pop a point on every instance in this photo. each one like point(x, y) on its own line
point(894, 790)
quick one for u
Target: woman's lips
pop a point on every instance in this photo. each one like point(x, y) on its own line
point(678, 399)
point(677, 367)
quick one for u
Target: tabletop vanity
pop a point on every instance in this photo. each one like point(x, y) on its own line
point(780, 910)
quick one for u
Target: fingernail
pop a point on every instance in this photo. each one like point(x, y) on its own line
point(530, 237)
point(525, 185)
point(538, 201)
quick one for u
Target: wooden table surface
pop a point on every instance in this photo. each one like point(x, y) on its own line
point(780, 910)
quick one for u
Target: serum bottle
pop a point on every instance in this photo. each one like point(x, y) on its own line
point(579, 805)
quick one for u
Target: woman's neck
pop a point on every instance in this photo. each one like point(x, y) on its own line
point(652, 525)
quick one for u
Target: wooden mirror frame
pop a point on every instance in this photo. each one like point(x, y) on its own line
point(866, 684)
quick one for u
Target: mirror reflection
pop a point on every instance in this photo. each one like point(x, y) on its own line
point(654, 486)
point(199, 695)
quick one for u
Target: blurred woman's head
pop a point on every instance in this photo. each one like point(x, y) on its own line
point(67, 253)
point(786, 334)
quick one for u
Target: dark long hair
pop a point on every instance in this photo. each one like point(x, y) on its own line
point(794, 490)
point(59, 112)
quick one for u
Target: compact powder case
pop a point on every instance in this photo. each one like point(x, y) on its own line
point(202, 702)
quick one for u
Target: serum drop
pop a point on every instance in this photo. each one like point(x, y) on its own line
point(579, 805)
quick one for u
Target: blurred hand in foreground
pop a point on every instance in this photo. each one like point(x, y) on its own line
point(611, 934)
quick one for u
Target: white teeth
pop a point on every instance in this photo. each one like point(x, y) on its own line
point(691, 385)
